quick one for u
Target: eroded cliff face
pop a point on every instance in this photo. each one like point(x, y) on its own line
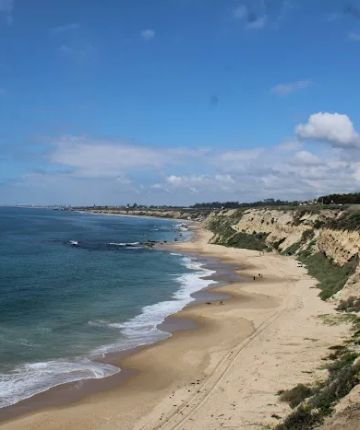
point(296, 231)
point(281, 227)
point(339, 245)
point(284, 228)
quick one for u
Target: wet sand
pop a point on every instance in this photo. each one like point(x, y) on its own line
point(223, 374)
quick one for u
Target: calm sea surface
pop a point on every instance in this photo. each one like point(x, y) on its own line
point(62, 306)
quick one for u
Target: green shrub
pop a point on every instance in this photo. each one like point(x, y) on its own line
point(349, 221)
point(307, 234)
point(331, 277)
point(277, 244)
point(248, 241)
point(296, 395)
point(292, 249)
point(351, 304)
point(343, 376)
point(319, 224)
point(226, 235)
point(301, 419)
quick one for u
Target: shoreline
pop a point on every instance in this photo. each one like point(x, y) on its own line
point(66, 393)
point(117, 214)
point(176, 377)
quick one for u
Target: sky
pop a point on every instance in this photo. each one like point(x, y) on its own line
point(178, 101)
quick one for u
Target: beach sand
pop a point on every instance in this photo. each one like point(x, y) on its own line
point(224, 374)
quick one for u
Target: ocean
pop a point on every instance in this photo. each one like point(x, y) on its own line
point(76, 286)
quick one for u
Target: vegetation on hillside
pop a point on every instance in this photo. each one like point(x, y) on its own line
point(225, 235)
point(312, 403)
point(349, 221)
point(331, 277)
point(254, 241)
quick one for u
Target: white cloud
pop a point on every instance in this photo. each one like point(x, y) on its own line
point(290, 145)
point(286, 89)
point(306, 157)
point(147, 34)
point(115, 171)
point(354, 36)
point(334, 128)
point(200, 183)
point(356, 173)
point(237, 160)
point(85, 157)
point(175, 180)
point(88, 158)
point(241, 155)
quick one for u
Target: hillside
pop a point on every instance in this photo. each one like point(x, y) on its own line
point(328, 243)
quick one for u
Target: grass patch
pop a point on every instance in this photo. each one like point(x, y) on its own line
point(292, 249)
point(221, 225)
point(337, 319)
point(306, 236)
point(248, 241)
point(343, 376)
point(301, 419)
point(296, 395)
point(331, 277)
point(227, 236)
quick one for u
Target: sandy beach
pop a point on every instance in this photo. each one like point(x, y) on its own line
point(268, 336)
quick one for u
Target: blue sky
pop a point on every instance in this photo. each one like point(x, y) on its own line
point(178, 101)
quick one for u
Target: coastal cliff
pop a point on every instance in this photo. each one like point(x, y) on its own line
point(328, 237)
point(327, 242)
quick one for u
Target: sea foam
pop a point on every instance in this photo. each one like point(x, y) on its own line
point(143, 328)
point(34, 378)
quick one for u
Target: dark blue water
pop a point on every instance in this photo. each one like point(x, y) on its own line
point(62, 306)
